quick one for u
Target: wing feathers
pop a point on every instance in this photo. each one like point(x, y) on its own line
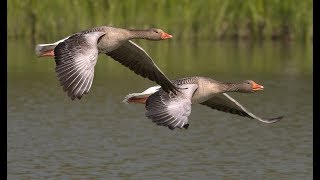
point(225, 103)
point(75, 60)
point(136, 59)
point(171, 110)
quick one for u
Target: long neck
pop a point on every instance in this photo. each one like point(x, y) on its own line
point(139, 34)
point(230, 87)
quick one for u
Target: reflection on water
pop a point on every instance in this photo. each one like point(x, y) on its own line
point(50, 136)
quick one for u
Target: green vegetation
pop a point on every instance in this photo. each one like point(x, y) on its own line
point(185, 19)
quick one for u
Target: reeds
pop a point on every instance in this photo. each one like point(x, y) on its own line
point(185, 19)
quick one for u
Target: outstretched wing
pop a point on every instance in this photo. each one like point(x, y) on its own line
point(136, 59)
point(223, 102)
point(167, 109)
point(75, 60)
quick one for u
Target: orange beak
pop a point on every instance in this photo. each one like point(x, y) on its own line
point(166, 36)
point(256, 87)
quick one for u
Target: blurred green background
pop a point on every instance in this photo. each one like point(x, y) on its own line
point(187, 19)
point(263, 31)
point(268, 41)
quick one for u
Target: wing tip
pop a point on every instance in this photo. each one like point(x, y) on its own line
point(186, 126)
point(273, 120)
point(277, 118)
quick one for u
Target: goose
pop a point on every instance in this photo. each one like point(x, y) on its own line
point(76, 56)
point(172, 110)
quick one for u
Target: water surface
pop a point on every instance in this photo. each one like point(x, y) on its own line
point(52, 137)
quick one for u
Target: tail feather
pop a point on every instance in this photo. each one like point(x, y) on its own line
point(127, 100)
point(43, 48)
point(136, 97)
point(136, 100)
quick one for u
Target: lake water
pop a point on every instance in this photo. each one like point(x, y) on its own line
point(49, 136)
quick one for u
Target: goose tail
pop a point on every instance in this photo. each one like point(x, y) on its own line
point(140, 98)
point(42, 50)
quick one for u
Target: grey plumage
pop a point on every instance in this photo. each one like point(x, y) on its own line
point(136, 59)
point(172, 111)
point(77, 55)
point(75, 60)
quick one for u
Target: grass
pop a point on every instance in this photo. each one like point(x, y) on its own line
point(185, 19)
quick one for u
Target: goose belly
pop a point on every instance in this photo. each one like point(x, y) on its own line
point(109, 43)
point(198, 99)
point(200, 96)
